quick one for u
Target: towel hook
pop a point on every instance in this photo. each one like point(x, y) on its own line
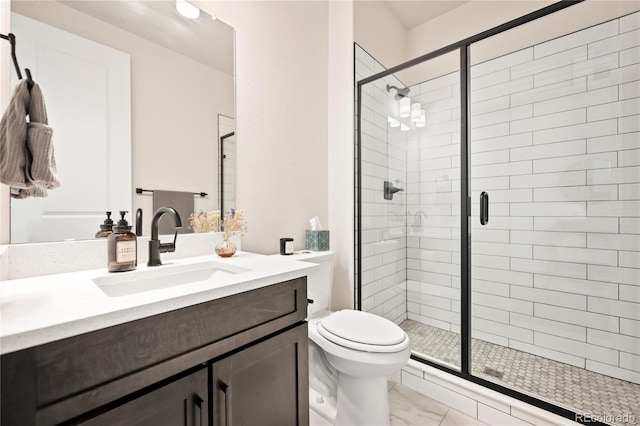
point(11, 38)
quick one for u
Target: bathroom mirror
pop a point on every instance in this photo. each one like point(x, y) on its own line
point(181, 81)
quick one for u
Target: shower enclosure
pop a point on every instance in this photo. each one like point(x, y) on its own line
point(498, 210)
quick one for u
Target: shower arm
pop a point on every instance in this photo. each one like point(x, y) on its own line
point(401, 92)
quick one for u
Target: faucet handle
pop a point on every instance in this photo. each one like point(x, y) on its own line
point(175, 238)
point(169, 247)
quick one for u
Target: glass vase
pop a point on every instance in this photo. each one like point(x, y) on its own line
point(226, 249)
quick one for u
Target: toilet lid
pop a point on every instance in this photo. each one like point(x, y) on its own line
point(361, 327)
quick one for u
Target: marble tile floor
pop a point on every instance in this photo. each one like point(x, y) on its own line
point(575, 388)
point(411, 408)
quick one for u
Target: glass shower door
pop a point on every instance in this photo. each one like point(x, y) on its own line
point(382, 154)
point(410, 249)
point(433, 213)
point(555, 247)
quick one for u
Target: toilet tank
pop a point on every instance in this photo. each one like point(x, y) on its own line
point(319, 281)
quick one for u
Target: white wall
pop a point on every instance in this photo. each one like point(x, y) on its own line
point(341, 151)
point(478, 15)
point(379, 32)
point(294, 71)
point(464, 21)
point(282, 116)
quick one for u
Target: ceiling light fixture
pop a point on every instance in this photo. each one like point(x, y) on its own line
point(187, 9)
point(405, 107)
point(423, 119)
point(415, 111)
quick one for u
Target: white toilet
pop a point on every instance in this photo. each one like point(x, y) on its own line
point(351, 353)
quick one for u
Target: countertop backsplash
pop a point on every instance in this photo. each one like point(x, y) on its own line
point(31, 260)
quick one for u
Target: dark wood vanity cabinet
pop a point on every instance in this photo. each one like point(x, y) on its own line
point(182, 402)
point(261, 384)
point(238, 360)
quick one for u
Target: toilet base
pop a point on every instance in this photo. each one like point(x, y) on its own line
point(361, 401)
point(322, 406)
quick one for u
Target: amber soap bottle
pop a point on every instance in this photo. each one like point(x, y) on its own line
point(122, 247)
point(106, 228)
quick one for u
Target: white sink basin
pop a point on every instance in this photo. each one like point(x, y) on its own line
point(125, 284)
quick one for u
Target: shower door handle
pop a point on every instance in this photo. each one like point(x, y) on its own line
point(484, 208)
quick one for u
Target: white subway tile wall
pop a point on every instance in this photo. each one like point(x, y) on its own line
point(555, 141)
point(433, 218)
point(561, 157)
point(383, 222)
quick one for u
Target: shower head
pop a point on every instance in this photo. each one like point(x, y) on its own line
point(401, 92)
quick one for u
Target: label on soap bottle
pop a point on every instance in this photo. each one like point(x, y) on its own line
point(125, 251)
point(288, 247)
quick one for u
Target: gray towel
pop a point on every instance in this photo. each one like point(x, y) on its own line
point(14, 153)
point(27, 161)
point(179, 200)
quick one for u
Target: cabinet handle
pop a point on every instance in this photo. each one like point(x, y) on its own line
point(484, 208)
point(198, 403)
point(227, 397)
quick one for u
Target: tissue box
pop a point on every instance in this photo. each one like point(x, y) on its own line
point(317, 240)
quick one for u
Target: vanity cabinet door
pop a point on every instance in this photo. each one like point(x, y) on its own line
point(265, 384)
point(183, 402)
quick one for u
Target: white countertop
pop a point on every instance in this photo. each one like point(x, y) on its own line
point(38, 310)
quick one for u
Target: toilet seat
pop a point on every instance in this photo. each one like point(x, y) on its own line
point(363, 331)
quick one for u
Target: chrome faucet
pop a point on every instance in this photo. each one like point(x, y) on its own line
point(155, 246)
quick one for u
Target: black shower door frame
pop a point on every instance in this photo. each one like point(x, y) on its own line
point(463, 47)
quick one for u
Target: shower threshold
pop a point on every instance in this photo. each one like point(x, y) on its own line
point(577, 389)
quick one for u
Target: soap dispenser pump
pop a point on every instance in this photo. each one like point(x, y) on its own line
point(106, 228)
point(122, 247)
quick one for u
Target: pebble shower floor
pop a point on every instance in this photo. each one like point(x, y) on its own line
point(575, 388)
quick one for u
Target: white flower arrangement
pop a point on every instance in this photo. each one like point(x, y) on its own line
point(233, 223)
point(202, 221)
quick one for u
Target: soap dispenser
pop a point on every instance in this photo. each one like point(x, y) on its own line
point(122, 247)
point(106, 228)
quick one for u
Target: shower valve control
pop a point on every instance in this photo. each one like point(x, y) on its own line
point(389, 190)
